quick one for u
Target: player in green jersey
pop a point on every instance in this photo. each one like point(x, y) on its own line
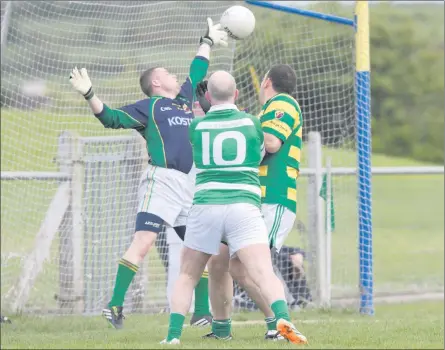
point(227, 151)
point(281, 122)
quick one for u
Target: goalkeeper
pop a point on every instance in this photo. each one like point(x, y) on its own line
point(281, 122)
point(166, 189)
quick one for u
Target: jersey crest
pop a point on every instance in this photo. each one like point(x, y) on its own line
point(182, 107)
point(279, 114)
point(186, 109)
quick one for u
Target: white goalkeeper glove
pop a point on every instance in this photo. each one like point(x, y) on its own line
point(82, 83)
point(214, 35)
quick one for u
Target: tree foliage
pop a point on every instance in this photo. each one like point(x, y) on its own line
point(408, 81)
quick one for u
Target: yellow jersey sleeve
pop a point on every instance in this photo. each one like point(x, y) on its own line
point(280, 118)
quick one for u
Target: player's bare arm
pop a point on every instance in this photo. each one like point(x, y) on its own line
point(272, 143)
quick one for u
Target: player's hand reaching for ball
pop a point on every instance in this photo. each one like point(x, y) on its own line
point(81, 82)
point(215, 35)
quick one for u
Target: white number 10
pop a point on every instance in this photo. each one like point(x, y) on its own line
point(217, 153)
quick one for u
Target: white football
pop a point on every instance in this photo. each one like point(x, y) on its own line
point(238, 22)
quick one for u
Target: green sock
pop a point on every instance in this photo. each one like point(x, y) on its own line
point(175, 326)
point(222, 328)
point(280, 310)
point(202, 307)
point(271, 323)
point(125, 274)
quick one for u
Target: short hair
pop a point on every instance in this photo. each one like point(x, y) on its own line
point(283, 78)
point(145, 81)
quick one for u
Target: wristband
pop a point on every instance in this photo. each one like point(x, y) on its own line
point(206, 40)
point(89, 95)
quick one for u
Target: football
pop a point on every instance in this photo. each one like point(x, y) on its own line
point(238, 22)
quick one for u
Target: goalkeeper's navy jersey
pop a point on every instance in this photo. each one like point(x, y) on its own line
point(163, 122)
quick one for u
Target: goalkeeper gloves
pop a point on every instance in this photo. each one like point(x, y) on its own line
point(200, 95)
point(82, 83)
point(214, 35)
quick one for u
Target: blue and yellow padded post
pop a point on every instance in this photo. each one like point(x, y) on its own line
point(363, 108)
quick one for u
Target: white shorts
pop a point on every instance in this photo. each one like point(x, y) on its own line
point(166, 193)
point(279, 222)
point(240, 225)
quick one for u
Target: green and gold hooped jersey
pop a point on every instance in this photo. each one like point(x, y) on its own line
point(281, 117)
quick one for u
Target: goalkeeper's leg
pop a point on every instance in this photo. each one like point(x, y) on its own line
point(201, 315)
point(128, 266)
point(152, 214)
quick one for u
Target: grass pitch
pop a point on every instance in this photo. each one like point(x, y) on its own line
point(401, 326)
point(408, 254)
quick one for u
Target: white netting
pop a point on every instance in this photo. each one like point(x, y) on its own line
point(115, 41)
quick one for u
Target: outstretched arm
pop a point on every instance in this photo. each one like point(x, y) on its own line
point(214, 36)
point(127, 117)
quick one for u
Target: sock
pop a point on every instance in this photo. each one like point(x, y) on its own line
point(175, 326)
point(280, 310)
point(222, 328)
point(125, 274)
point(271, 323)
point(202, 307)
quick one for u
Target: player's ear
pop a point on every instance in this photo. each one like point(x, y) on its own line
point(236, 94)
point(155, 82)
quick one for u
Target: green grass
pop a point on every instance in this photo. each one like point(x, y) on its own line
point(407, 213)
point(401, 326)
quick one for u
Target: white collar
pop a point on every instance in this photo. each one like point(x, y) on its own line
point(223, 106)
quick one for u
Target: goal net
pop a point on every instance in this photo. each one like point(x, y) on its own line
point(68, 190)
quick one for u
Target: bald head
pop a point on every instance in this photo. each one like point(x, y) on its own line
point(222, 88)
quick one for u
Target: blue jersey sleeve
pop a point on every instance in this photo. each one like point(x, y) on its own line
point(139, 111)
point(134, 116)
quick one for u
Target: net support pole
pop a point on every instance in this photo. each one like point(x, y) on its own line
point(5, 25)
point(316, 236)
point(328, 217)
point(77, 221)
point(363, 102)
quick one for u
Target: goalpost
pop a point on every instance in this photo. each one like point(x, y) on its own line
point(68, 189)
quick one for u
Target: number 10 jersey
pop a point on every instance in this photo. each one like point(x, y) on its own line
point(228, 146)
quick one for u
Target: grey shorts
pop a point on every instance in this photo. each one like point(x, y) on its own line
point(240, 225)
point(166, 193)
